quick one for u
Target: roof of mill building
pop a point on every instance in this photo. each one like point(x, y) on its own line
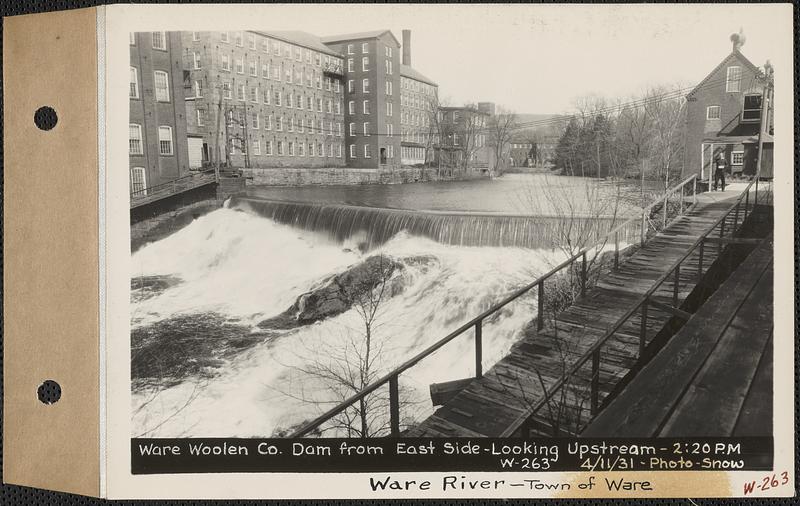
point(410, 72)
point(305, 39)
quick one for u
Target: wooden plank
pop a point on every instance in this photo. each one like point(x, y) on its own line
point(755, 418)
point(643, 406)
point(711, 404)
point(443, 392)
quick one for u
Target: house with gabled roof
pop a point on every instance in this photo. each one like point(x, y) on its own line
point(724, 117)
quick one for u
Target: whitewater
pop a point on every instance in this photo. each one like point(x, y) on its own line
point(244, 268)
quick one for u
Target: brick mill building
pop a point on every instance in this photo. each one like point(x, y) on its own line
point(372, 108)
point(418, 98)
point(724, 117)
point(157, 138)
point(263, 99)
point(462, 133)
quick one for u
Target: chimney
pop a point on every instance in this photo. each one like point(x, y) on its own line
point(406, 47)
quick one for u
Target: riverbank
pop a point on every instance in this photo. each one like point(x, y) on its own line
point(285, 176)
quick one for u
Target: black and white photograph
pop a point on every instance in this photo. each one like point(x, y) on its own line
point(475, 223)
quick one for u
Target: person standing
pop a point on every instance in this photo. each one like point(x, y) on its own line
point(720, 167)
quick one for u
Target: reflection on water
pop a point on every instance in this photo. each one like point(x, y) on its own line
point(508, 194)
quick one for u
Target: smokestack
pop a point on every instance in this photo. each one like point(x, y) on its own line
point(407, 47)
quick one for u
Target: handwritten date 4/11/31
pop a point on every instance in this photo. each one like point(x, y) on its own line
point(767, 483)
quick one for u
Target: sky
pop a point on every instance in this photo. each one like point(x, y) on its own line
point(539, 59)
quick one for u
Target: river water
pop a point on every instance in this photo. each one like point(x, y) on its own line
point(204, 367)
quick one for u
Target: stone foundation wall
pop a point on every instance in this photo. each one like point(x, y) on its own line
point(351, 176)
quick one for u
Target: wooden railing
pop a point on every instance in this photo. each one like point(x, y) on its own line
point(646, 300)
point(643, 221)
point(176, 185)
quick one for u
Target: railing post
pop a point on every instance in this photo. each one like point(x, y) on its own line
point(479, 349)
point(746, 203)
point(595, 394)
point(643, 331)
point(675, 288)
point(540, 315)
point(616, 250)
point(694, 192)
point(642, 231)
point(583, 275)
point(700, 260)
point(755, 199)
point(394, 406)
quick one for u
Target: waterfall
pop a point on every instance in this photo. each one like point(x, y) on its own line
point(378, 225)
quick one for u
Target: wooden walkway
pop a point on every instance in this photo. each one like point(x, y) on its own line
point(714, 377)
point(498, 404)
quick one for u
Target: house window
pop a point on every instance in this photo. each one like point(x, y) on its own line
point(339, 129)
point(389, 108)
point(291, 148)
point(134, 92)
point(278, 98)
point(351, 107)
point(349, 49)
point(253, 68)
point(338, 107)
point(268, 148)
point(301, 149)
point(319, 105)
point(365, 85)
point(268, 122)
point(198, 89)
point(733, 82)
point(162, 86)
point(366, 129)
point(201, 117)
point(279, 124)
point(327, 84)
point(301, 128)
point(239, 39)
point(224, 37)
point(713, 112)
point(737, 158)
point(160, 40)
point(367, 151)
point(321, 149)
point(255, 117)
point(280, 148)
point(751, 110)
point(256, 147)
point(365, 63)
point(135, 139)
point(195, 36)
point(350, 86)
point(251, 40)
point(329, 106)
point(138, 181)
point(291, 124)
point(388, 87)
point(338, 151)
point(352, 129)
point(366, 106)
point(226, 63)
point(165, 140)
point(352, 150)
point(240, 65)
point(350, 65)
point(364, 47)
point(254, 94)
point(336, 86)
point(265, 70)
point(240, 92)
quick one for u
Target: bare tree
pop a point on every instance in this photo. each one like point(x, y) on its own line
point(500, 130)
point(340, 368)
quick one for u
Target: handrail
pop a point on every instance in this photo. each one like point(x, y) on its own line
point(595, 348)
point(146, 192)
point(476, 322)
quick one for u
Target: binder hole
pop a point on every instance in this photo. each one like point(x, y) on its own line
point(45, 118)
point(49, 392)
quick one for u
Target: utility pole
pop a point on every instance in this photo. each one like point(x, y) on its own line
point(216, 136)
point(766, 101)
